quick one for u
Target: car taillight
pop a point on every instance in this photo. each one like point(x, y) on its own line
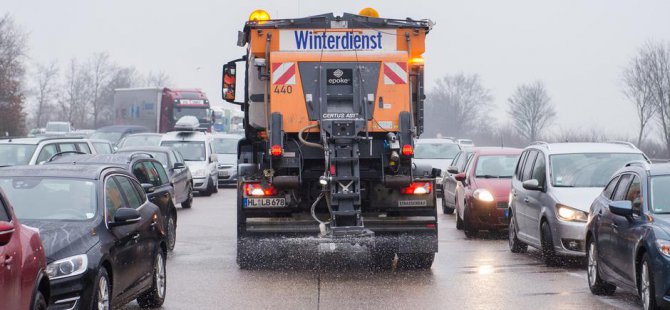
point(407, 150)
point(276, 150)
point(418, 188)
point(256, 189)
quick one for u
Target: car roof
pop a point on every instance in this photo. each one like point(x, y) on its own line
point(119, 160)
point(145, 149)
point(91, 172)
point(497, 151)
point(586, 147)
point(120, 128)
point(144, 134)
point(38, 140)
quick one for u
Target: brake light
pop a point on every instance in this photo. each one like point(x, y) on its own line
point(418, 188)
point(407, 150)
point(276, 150)
point(256, 189)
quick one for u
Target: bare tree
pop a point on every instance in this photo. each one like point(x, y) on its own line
point(73, 102)
point(158, 79)
point(12, 71)
point(121, 77)
point(531, 110)
point(657, 58)
point(100, 71)
point(639, 91)
point(456, 105)
point(45, 92)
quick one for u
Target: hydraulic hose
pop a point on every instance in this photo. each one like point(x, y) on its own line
point(305, 142)
point(313, 210)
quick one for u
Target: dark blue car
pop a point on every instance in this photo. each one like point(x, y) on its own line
point(628, 235)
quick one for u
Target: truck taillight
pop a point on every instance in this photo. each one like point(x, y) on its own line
point(418, 188)
point(276, 150)
point(407, 150)
point(256, 189)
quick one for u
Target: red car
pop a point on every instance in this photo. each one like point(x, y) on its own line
point(23, 280)
point(481, 204)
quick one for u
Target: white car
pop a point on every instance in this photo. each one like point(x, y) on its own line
point(33, 151)
point(196, 149)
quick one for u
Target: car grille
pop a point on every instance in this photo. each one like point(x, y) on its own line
point(501, 204)
point(224, 166)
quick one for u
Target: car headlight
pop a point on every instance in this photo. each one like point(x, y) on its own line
point(571, 214)
point(67, 267)
point(663, 247)
point(483, 195)
point(200, 173)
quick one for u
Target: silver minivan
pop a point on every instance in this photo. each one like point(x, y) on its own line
point(552, 190)
point(196, 149)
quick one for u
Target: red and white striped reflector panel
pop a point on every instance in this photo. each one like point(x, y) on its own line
point(283, 73)
point(395, 73)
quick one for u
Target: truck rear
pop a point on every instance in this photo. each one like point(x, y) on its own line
point(332, 106)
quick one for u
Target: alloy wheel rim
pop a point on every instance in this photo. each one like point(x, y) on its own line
point(512, 232)
point(172, 234)
point(644, 289)
point(160, 276)
point(593, 264)
point(103, 294)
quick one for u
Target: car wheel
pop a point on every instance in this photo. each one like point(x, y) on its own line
point(515, 245)
point(171, 232)
point(39, 302)
point(415, 260)
point(155, 296)
point(208, 190)
point(188, 203)
point(459, 221)
point(216, 185)
point(596, 283)
point(469, 231)
point(646, 287)
point(445, 209)
point(102, 291)
point(547, 242)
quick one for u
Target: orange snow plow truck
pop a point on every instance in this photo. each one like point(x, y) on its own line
point(332, 105)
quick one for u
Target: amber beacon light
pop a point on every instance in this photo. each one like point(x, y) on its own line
point(369, 12)
point(259, 16)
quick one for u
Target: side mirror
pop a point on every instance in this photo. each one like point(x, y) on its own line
point(228, 82)
point(125, 216)
point(623, 208)
point(436, 173)
point(532, 185)
point(460, 177)
point(178, 166)
point(148, 188)
point(452, 169)
point(6, 232)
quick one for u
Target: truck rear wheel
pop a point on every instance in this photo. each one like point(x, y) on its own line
point(415, 260)
point(382, 257)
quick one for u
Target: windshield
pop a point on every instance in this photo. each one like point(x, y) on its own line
point(63, 127)
point(587, 169)
point(225, 145)
point(141, 140)
point(69, 199)
point(496, 166)
point(190, 150)
point(660, 194)
point(436, 150)
point(200, 113)
point(103, 148)
point(110, 136)
point(16, 154)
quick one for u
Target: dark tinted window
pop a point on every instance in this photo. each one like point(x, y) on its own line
point(539, 171)
point(4, 215)
point(130, 191)
point(622, 188)
point(609, 189)
point(519, 166)
point(141, 173)
point(113, 198)
point(161, 173)
point(528, 166)
point(634, 194)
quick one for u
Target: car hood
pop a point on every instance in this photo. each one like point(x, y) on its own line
point(64, 239)
point(227, 159)
point(662, 222)
point(438, 163)
point(579, 198)
point(196, 165)
point(499, 188)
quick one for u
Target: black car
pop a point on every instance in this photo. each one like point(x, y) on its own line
point(151, 175)
point(628, 235)
point(178, 172)
point(104, 240)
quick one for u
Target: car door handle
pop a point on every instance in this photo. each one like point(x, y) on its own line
point(614, 226)
point(526, 200)
point(136, 237)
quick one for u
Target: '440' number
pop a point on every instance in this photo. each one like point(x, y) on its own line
point(283, 89)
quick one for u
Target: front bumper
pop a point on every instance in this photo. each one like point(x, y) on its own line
point(660, 267)
point(72, 293)
point(489, 215)
point(227, 176)
point(200, 184)
point(569, 237)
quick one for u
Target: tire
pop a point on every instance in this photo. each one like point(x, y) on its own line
point(647, 289)
point(101, 291)
point(459, 221)
point(171, 232)
point(155, 296)
point(415, 260)
point(596, 284)
point(445, 209)
point(547, 242)
point(39, 302)
point(215, 189)
point(515, 245)
point(188, 203)
point(208, 190)
point(469, 231)
point(382, 257)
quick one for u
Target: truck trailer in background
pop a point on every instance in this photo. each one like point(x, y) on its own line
point(228, 120)
point(159, 108)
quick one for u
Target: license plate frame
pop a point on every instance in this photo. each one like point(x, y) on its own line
point(224, 173)
point(264, 202)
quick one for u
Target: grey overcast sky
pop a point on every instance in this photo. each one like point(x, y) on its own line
point(577, 47)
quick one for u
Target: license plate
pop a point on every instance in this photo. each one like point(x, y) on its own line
point(224, 173)
point(506, 213)
point(412, 203)
point(264, 202)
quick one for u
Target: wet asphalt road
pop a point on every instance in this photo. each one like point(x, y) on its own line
point(476, 273)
